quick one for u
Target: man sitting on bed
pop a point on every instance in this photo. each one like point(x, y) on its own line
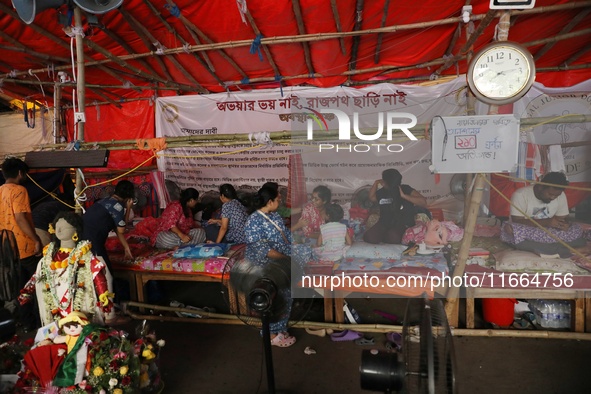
point(547, 206)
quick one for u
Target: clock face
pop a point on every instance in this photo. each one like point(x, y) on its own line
point(501, 73)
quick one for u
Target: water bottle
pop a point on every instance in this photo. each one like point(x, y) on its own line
point(565, 314)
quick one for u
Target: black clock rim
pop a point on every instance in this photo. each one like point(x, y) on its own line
point(505, 100)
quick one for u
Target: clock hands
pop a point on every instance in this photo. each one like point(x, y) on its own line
point(503, 72)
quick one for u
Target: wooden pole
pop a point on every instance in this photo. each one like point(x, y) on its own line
point(220, 318)
point(453, 291)
point(451, 306)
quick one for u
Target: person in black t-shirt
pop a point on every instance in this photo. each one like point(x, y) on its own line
point(45, 212)
point(398, 206)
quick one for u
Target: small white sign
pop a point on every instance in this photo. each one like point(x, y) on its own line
point(474, 144)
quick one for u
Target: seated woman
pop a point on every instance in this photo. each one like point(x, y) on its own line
point(233, 217)
point(547, 206)
point(69, 277)
point(268, 239)
point(314, 213)
point(177, 226)
point(398, 206)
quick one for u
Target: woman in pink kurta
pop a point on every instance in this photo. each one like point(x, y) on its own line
point(313, 213)
point(177, 226)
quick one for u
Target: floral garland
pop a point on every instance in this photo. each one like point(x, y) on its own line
point(78, 278)
point(113, 367)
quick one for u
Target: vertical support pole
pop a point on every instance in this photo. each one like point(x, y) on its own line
point(57, 127)
point(451, 305)
point(80, 87)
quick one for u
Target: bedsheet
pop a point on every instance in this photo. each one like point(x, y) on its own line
point(148, 258)
point(405, 264)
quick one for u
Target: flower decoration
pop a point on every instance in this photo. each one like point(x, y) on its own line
point(112, 364)
point(115, 365)
point(147, 347)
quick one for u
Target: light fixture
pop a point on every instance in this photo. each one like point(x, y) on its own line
point(98, 6)
point(511, 4)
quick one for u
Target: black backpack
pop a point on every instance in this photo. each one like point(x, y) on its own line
point(9, 266)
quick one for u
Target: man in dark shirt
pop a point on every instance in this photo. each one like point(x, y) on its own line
point(108, 215)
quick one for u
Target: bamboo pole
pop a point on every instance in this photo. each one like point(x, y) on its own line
point(376, 57)
point(484, 23)
point(140, 30)
point(356, 38)
point(451, 306)
point(575, 21)
point(257, 32)
point(128, 48)
point(190, 25)
point(210, 45)
point(289, 135)
point(220, 318)
point(302, 30)
point(182, 39)
point(150, 40)
point(337, 21)
point(577, 55)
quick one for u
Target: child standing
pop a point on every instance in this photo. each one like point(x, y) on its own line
point(334, 240)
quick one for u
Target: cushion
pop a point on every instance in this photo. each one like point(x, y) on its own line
point(519, 260)
point(202, 250)
point(375, 251)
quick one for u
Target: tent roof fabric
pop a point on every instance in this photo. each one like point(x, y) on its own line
point(160, 47)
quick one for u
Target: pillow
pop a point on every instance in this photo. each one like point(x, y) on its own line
point(201, 251)
point(375, 251)
point(520, 260)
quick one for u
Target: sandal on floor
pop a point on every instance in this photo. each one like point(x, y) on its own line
point(320, 332)
point(365, 341)
point(282, 340)
point(394, 341)
point(347, 335)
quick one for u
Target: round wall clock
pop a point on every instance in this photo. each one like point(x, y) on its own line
point(501, 73)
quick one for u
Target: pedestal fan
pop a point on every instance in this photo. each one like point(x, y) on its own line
point(426, 364)
point(259, 294)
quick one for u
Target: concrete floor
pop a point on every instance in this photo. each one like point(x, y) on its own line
point(219, 359)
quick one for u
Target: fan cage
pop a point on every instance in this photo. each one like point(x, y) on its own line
point(428, 348)
point(239, 278)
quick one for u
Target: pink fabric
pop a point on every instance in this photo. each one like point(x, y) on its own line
point(160, 187)
point(433, 233)
point(311, 215)
point(296, 188)
point(172, 216)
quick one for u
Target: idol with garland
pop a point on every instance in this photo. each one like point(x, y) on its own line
point(69, 277)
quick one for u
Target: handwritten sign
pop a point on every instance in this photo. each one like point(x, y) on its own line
point(473, 144)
